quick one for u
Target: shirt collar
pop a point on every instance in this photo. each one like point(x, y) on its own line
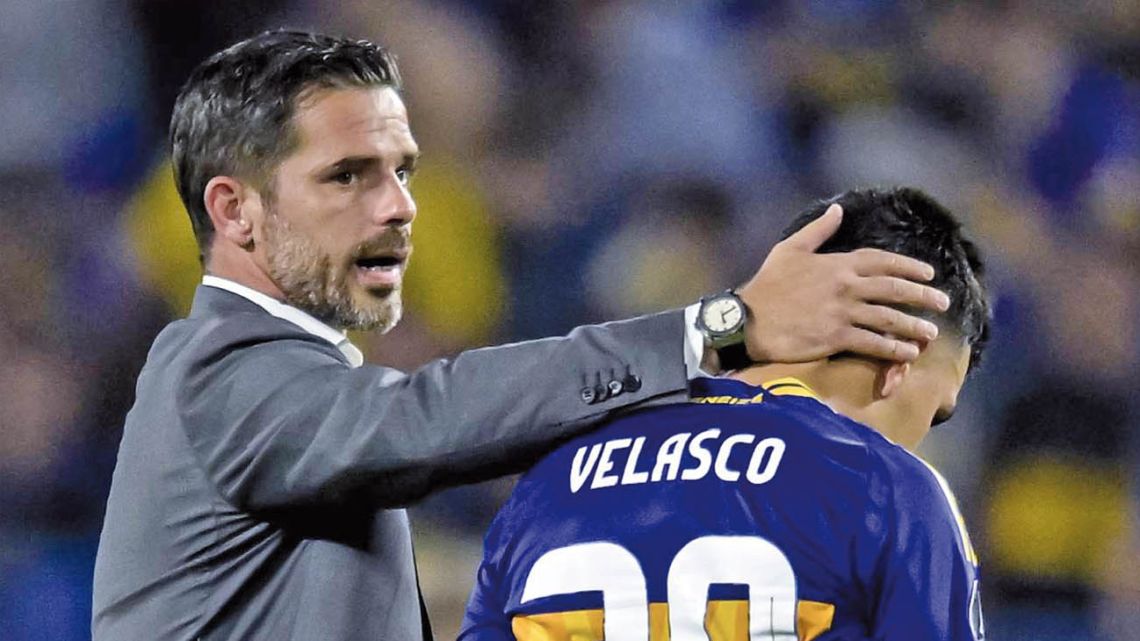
point(287, 312)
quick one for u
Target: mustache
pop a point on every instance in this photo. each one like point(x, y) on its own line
point(389, 241)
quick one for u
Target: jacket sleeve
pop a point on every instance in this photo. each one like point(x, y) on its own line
point(278, 420)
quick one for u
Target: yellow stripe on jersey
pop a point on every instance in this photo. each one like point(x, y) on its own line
point(578, 625)
point(789, 386)
point(728, 400)
point(659, 621)
point(724, 621)
point(727, 621)
point(813, 618)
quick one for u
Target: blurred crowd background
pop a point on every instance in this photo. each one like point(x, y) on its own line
point(589, 160)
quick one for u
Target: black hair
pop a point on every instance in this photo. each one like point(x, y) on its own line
point(909, 222)
point(234, 115)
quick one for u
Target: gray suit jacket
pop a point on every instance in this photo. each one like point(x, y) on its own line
point(259, 483)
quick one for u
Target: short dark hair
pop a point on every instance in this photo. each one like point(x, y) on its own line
point(909, 222)
point(233, 117)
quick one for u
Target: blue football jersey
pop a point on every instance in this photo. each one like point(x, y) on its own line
point(750, 513)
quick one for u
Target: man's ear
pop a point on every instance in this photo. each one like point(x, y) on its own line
point(226, 200)
point(890, 379)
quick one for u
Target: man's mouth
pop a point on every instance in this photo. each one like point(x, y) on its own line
point(382, 269)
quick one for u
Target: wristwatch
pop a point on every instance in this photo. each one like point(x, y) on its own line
point(720, 319)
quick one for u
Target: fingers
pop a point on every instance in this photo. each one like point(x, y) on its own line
point(868, 343)
point(817, 231)
point(888, 290)
point(876, 262)
point(887, 320)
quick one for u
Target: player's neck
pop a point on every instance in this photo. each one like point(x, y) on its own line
point(846, 385)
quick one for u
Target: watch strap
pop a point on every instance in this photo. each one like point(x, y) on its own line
point(733, 356)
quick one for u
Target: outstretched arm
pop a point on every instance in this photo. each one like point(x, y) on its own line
point(278, 420)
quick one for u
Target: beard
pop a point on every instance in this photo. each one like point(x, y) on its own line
point(311, 282)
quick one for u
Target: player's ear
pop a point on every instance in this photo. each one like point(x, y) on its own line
point(890, 379)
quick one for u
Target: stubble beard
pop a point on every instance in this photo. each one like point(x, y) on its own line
point(307, 278)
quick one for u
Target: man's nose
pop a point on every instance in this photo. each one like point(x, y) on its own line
point(395, 205)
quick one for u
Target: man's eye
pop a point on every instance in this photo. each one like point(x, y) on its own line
point(404, 175)
point(343, 178)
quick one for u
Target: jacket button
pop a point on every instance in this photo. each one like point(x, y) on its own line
point(615, 387)
point(588, 395)
point(632, 383)
point(601, 392)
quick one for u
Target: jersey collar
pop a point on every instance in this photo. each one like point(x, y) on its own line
point(728, 391)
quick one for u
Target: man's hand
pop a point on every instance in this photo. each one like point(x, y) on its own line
point(805, 306)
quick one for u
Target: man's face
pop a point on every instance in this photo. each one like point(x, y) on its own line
point(337, 218)
point(929, 392)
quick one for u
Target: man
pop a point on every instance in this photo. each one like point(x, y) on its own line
point(782, 503)
point(263, 468)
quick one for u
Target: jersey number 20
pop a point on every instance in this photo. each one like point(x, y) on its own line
point(613, 570)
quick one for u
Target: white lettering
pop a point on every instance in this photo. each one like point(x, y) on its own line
point(775, 447)
point(704, 458)
point(702, 453)
point(606, 464)
point(579, 472)
point(669, 457)
point(722, 471)
point(631, 476)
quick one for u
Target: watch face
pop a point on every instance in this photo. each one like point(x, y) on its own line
point(721, 314)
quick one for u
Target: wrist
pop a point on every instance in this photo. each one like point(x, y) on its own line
point(710, 362)
point(756, 351)
point(721, 321)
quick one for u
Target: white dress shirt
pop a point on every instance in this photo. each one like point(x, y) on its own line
point(291, 314)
